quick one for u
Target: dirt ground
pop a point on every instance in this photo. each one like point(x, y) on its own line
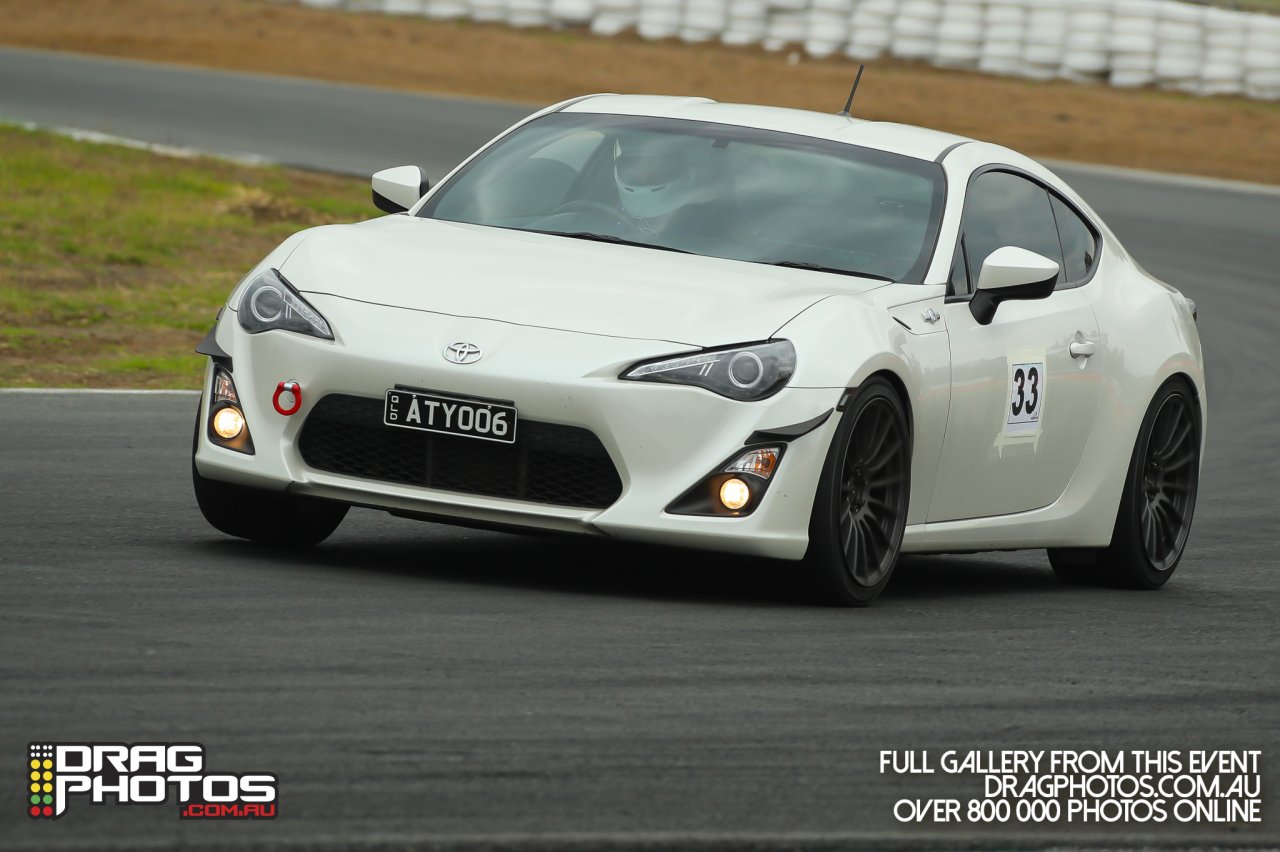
point(1225, 137)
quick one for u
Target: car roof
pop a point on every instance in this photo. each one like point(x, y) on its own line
point(918, 142)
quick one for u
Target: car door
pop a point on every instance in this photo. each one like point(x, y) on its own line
point(1022, 404)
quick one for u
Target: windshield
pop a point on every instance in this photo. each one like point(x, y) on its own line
point(710, 189)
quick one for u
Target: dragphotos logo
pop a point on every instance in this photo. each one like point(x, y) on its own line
point(143, 774)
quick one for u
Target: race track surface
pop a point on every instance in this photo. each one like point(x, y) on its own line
point(419, 684)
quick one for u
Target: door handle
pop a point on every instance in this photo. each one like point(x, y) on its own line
point(1082, 348)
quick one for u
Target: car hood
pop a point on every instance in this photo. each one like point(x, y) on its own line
point(556, 282)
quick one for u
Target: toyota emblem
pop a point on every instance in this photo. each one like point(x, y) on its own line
point(462, 353)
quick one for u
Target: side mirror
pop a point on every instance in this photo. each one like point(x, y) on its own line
point(1011, 273)
point(396, 190)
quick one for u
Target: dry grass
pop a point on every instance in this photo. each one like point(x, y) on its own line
point(1231, 138)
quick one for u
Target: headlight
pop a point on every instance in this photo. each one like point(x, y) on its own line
point(271, 302)
point(748, 372)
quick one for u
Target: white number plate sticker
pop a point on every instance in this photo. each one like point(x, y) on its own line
point(467, 417)
point(1026, 396)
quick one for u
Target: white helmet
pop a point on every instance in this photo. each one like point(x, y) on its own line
point(653, 173)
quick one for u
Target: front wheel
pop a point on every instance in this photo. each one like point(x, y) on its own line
point(1159, 498)
point(267, 517)
point(860, 510)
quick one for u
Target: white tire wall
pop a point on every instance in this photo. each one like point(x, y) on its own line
point(871, 29)
point(659, 18)
point(828, 27)
point(1262, 60)
point(1183, 46)
point(1180, 46)
point(1045, 42)
point(1005, 25)
point(447, 10)
point(1086, 54)
point(527, 13)
point(1133, 42)
point(703, 20)
point(915, 29)
point(961, 33)
point(1226, 35)
point(746, 22)
point(488, 10)
point(787, 26)
point(404, 7)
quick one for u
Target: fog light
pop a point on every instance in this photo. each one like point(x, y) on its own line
point(735, 494)
point(228, 423)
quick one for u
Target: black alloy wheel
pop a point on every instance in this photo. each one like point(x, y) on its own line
point(268, 517)
point(1169, 474)
point(1156, 506)
point(860, 510)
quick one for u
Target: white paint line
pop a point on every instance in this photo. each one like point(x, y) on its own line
point(1166, 178)
point(95, 137)
point(16, 391)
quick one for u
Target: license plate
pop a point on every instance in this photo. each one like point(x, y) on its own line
point(467, 417)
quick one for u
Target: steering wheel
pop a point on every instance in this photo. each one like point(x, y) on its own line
point(613, 213)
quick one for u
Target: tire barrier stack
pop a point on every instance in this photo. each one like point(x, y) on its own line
point(1193, 48)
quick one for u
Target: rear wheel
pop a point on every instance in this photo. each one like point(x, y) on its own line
point(268, 517)
point(1159, 498)
point(860, 510)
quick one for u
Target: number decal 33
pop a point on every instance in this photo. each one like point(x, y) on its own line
point(1026, 394)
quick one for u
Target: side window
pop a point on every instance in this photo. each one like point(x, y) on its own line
point(1004, 209)
point(1079, 243)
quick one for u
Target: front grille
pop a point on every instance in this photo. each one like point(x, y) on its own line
point(548, 463)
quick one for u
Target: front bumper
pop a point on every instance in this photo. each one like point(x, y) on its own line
point(662, 439)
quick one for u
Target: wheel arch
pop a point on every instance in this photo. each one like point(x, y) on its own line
point(1099, 479)
point(1183, 376)
point(1184, 367)
point(1197, 397)
point(925, 398)
point(899, 386)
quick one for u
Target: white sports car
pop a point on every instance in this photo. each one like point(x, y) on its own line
point(741, 328)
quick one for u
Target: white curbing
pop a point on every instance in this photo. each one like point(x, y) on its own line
point(98, 138)
point(1166, 178)
point(48, 391)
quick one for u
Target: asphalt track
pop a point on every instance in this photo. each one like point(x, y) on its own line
point(418, 684)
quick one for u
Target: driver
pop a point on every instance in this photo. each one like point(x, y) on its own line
point(666, 195)
point(655, 178)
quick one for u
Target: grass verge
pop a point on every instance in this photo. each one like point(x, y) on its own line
point(113, 261)
point(1221, 137)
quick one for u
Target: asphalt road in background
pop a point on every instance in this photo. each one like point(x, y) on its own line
point(412, 683)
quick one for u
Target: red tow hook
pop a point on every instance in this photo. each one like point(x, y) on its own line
point(288, 398)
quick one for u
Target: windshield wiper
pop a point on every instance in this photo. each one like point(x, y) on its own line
point(605, 238)
point(817, 267)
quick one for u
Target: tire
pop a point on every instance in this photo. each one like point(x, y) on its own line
point(1157, 504)
point(267, 517)
point(860, 509)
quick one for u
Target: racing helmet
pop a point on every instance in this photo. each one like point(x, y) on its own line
point(653, 173)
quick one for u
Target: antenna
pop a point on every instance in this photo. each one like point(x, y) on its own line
point(852, 92)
